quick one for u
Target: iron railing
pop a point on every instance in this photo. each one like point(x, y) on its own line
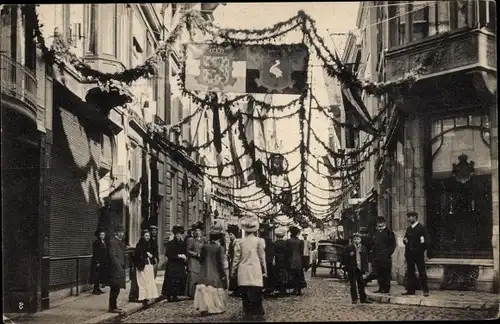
point(18, 81)
point(128, 265)
point(77, 259)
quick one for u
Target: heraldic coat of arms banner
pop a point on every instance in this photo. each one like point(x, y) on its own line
point(276, 69)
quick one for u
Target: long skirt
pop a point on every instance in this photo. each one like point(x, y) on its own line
point(210, 299)
point(146, 283)
point(297, 279)
point(192, 278)
point(252, 300)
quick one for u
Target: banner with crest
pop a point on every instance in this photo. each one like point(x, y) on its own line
point(276, 69)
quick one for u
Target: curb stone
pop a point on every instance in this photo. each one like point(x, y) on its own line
point(128, 309)
point(432, 302)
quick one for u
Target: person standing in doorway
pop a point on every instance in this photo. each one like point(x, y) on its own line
point(415, 241)
point(250, 266)
point(384, 244)
point(99, 262)
point(153, 230)
point(116, 252)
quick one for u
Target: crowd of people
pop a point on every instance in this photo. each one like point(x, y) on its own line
point(251, 268)
point(205, 269)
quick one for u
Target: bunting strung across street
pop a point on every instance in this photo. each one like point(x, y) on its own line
point(277, 69)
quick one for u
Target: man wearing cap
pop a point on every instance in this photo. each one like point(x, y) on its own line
point(116, 252)
point(295, 249)
point(383, 246)
point(281, 270)
point(153, 230)
point(415, 241)
point(355, 259)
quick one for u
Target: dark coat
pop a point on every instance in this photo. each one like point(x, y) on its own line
point(176, 267)
point(269, 250)
point(349, 258)
point(414, 247)
point(99, 263)
point(141, 254)
point(116, 252)
point(295, 251)
point(280, 254)
point(212, 266)
point(155, 247)
point(384, 244)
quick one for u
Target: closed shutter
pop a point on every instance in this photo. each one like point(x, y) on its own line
point(74, 199)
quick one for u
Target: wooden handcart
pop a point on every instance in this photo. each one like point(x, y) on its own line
point(329, 255)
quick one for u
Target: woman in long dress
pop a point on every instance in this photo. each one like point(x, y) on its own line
point(144, 265)
point(175, 271)
point(194, 245)
point(250, 266)
point(210, 295)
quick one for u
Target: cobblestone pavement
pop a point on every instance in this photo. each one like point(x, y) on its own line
point(323, 300)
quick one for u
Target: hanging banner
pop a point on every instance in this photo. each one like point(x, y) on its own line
point(277, 69)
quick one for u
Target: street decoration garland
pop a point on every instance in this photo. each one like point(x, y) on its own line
point(189, 21)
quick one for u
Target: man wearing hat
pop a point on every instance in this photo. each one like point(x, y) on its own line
point(415, 241)
point(295, 248)
point(175, 270)
point(383, 246)
point(233, 283)
point(116, 251)
point(153, 230)
point(281, 270)
point(269, 284)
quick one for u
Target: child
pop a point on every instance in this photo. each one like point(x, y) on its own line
point(356, 264)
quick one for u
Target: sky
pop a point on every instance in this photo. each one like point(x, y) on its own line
point(330, 17)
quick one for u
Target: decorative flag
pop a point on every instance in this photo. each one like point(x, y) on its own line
point(362, 114)
point(280, 69)
point(217, 68)
point(217, 136)
point(236, 162)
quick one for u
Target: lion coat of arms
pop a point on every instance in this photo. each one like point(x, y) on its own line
point(216, 68)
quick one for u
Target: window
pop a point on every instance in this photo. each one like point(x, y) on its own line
point(108, 20)
point(439, 17)
point(419, 18)
point(30, 46)
point(91, 29)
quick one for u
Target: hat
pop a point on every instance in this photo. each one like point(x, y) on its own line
point(364, 230)
point(356, 235)
point(304, 234)
point(412, 213)
point(199, 225)
point(280, 231)
point(294, 230)
point(178, 229)
point(217, 228)
point(144, 231)
point(119, 228)
point(152, 227)
point(380, 219)
point(249, 224)
point(232, 229)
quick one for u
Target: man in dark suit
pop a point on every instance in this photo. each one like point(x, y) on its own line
point(116, 252)
point(295, 252)
point(383, 246)
point(355, 259)
point(153, 230)
point(415, 241)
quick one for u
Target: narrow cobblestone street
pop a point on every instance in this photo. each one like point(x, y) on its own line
point(324, 300)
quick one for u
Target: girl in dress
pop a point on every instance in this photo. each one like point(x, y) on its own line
point(210, 295)
point(144, 263)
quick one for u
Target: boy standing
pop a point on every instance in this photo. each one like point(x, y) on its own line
point(356, 263)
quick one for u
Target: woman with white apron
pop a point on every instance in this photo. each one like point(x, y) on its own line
point(144, 258)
